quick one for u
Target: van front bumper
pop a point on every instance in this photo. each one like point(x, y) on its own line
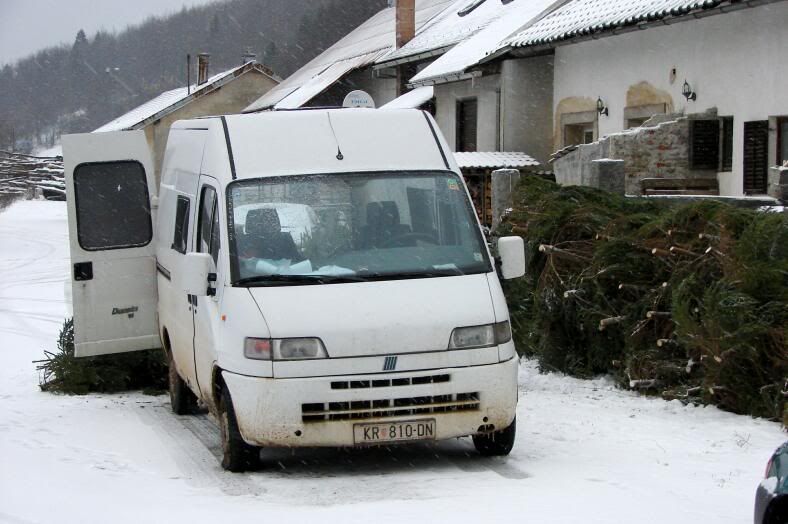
point(322, 411)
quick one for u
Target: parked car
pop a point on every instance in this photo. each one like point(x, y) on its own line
point(771, 499)
point(383, 321)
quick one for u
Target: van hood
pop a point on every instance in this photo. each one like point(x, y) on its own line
point(378, 318)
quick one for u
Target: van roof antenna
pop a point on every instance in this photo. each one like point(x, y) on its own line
point(340, 156)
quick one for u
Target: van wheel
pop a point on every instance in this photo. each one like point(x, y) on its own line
point(498, 443)
point(237, 455)
point(183, 401)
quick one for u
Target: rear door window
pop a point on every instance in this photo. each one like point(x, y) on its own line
point(113, 205)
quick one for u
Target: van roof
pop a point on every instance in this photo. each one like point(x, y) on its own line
point(279, 143)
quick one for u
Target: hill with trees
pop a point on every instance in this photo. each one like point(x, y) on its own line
point(78, 87)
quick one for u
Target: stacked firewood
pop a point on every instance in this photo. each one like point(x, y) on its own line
point(685, 300)
point(26, 175)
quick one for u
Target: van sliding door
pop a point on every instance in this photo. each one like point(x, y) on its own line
point(109, 188)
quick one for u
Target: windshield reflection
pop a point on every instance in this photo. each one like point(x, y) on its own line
point(341, 228)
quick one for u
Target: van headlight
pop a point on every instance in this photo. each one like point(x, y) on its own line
point(284, 348)
point(481, 336)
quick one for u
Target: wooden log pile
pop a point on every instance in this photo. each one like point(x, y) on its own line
point(26, 175)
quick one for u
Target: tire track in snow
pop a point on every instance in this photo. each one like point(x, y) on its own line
point(193, 442)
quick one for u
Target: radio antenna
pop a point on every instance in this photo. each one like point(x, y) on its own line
point(340, 156)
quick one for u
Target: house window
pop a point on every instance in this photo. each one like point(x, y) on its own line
point(578, 128)
point(782, 140)
point(704, 148)
point(575, 134)
point(711, 144)
point(467, 116)
point(636, 122)
point(756, 156)
point(636, 116)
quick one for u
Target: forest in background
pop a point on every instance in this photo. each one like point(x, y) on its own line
point(79, 87)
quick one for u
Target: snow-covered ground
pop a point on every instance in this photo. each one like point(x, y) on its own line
point(586, 451)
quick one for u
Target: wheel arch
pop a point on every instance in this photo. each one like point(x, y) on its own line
point(165, 341)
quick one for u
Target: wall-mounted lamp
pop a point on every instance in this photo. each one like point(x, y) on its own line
point(688, 93)
point(601, 108)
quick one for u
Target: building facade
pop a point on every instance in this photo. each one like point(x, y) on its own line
point(732, 62)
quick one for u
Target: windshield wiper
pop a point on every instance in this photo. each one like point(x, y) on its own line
point(295, 280)
point(432, 273)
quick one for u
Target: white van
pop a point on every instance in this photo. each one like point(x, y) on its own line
point(316, 278)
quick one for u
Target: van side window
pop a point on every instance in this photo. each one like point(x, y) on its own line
point(215, 235)
point(181, 225)
point(209, 224)
point(113, 207)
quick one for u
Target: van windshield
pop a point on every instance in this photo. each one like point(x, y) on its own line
point(352, 227)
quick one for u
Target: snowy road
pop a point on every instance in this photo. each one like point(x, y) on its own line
point(586, 452)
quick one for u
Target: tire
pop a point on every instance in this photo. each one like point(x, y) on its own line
point(498, 443)
point(182, 400)
point(237, 455)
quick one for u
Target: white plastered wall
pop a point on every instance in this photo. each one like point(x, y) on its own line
point(485, 90)
point(736, 62)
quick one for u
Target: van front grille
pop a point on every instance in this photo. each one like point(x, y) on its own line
point(386, 408)
point(386, 383)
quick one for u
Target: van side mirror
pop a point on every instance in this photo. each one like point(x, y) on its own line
point(193, 274)
point(512, 253)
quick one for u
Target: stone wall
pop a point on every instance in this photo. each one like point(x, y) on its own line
point(778, 183)
point(659, 149)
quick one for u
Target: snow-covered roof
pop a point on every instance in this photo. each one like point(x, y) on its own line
point(585, 17)
point(512, 17)
point(319, 83)
point(494, 160)
point(449, 28)
point(372, 39)
point(169, 101)
point(412, 99)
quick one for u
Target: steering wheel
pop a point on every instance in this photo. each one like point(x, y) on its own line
point(403, 239)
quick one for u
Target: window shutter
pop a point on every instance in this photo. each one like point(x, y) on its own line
point(756, 156)
point(705, 144)
point(727, 143)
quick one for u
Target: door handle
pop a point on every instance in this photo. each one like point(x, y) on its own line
point(83, 271)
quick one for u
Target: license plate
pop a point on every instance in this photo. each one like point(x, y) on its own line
point(394, 431)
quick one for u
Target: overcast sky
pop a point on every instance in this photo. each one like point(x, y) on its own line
point(29, 25)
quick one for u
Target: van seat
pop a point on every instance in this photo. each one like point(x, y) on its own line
point(264, 237)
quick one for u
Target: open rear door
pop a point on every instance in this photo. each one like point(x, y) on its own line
point(110, 192)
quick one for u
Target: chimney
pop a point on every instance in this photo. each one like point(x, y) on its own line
point(406, 21)
point(202, 68)
point(248, 56)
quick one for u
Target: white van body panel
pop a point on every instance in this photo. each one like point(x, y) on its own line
point(306, 142)
point(390, 317)
point(181, 169)
point(115, 310)
point(496, 386)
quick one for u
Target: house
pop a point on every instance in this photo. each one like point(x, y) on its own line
point(226, 92)
point(685, 91)
point(347, 65)
point(501, 106)
point(715, 68)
